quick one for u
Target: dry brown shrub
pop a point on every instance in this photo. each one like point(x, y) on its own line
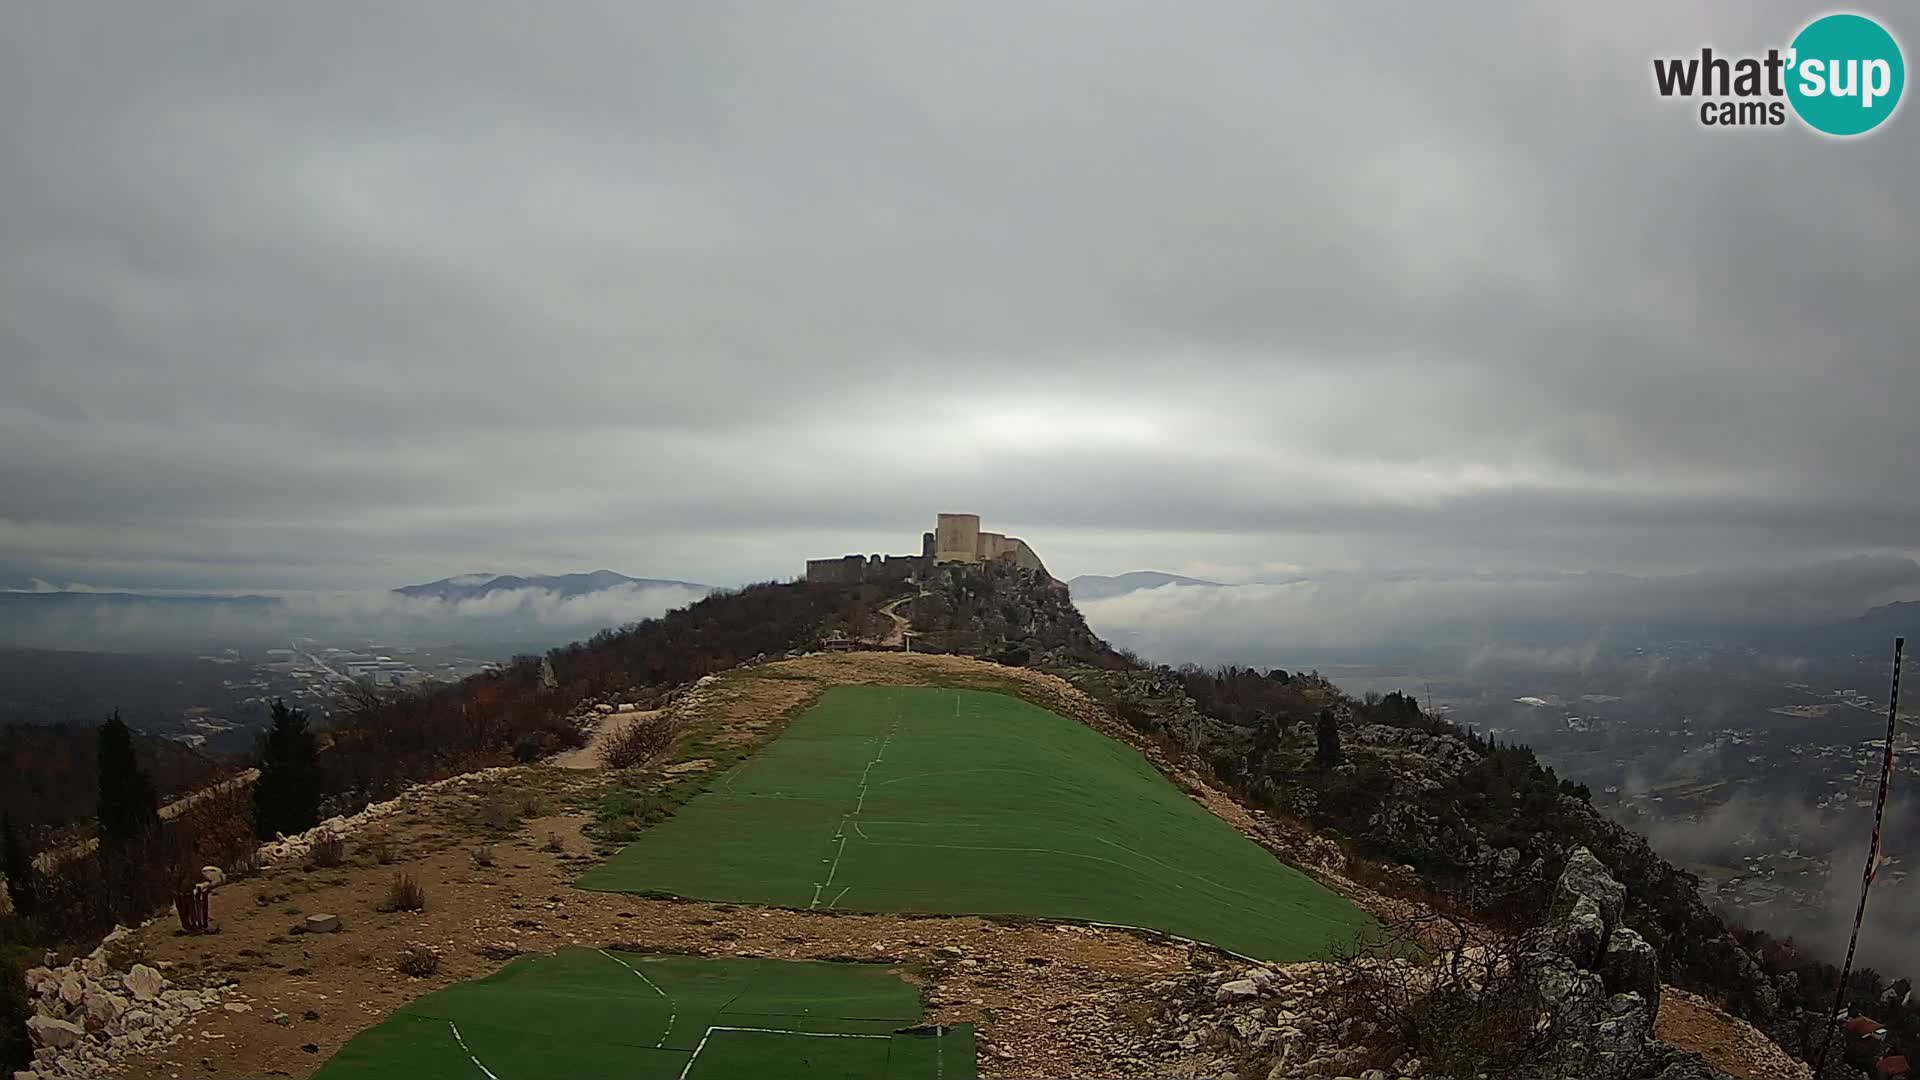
point(418, 961)
point(404, 894)
point(639, 743)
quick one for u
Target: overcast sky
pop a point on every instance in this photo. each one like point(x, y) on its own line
point(347, 295)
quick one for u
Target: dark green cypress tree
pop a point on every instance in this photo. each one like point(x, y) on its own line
point(286, 798)
point(19, 868)
point(1326, 732)
point(16, 1047)
point(128, 803)
point(1268, 733)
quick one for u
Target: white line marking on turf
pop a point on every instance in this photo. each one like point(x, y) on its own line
point(840, 833)
point(470, 1057)
point(842, 896)
point(688, 1067)
point(673, 1007)
point(834, 869)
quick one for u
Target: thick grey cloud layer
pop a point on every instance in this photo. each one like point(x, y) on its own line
point(1563, 618)
point(347, 295)
point(523, 617)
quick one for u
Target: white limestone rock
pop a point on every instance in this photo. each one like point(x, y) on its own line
point(144, 983)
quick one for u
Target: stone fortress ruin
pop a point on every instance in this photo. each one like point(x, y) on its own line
point(956, 538)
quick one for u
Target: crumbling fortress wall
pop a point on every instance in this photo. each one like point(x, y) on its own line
point(956, 538)
point(859, 569)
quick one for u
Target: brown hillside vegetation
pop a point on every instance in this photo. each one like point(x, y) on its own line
point(51, 772)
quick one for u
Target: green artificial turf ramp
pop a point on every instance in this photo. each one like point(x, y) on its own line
point(915, 799)
point(588, 1013)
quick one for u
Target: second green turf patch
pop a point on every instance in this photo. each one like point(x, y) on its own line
point(587, 1013)
point(915, 799)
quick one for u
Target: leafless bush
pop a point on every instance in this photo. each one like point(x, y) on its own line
point(418, 961)
point(553, 843)
point(482, 856)
point(382, 852)
point(1464, 1000)
point(329, 851)
point(404, 894)
point(247, 864)
point(638, 743)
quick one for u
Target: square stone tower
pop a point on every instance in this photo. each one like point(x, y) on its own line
point(956, 538)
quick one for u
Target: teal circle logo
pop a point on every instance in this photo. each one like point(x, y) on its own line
point(1846, 74)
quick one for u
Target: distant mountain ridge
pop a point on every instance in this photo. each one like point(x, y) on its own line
point(1901, 616)
point(1874, 632)
point(1100, 586)
point(468, 586)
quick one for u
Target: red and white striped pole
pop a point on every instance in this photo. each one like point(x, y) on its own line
point(1873, 860)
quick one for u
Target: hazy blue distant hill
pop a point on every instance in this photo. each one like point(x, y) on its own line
point(1873, 633)
point(1099, 587)
point(468, 586)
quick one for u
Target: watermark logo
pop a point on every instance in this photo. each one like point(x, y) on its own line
point(1842, 75)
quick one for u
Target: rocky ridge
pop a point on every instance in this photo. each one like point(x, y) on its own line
point(1593, 982)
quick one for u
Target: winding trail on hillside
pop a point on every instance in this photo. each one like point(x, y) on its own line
point(902, 626)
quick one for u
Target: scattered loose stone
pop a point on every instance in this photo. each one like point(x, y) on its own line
point(321, 924)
